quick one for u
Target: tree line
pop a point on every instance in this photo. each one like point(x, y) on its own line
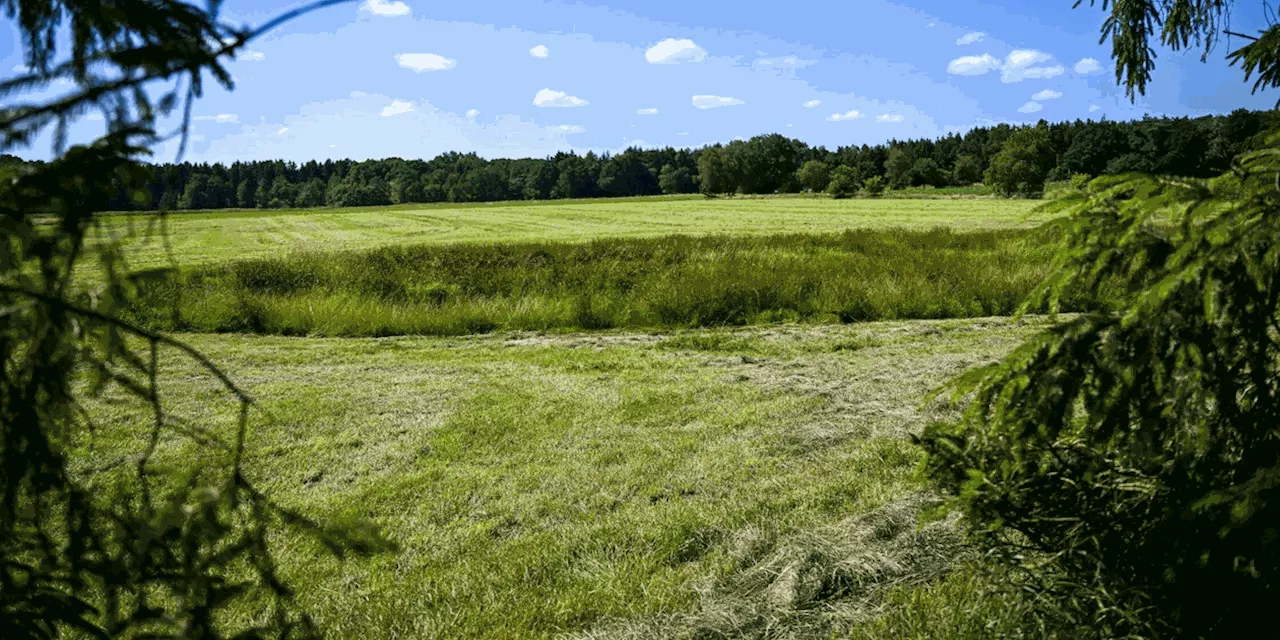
point(1013, 160)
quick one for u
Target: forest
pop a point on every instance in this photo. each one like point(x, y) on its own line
point(1013, 160)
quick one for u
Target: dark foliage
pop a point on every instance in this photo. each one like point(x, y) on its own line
point(1128, 460)
point(136, 548)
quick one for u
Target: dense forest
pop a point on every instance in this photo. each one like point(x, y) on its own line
point(1014, 160)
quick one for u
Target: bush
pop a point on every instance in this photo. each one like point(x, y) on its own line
point(873, 187)
point(844, 183)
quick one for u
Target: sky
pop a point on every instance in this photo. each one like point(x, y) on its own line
point(528, 78)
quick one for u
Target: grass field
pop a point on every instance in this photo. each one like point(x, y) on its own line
point(574, 480)
point(674, 281)
point(753, 482)
point(204, 238)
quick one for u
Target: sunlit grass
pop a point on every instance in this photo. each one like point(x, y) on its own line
point(604, 484)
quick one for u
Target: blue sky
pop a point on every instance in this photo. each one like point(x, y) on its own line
point(506, 78)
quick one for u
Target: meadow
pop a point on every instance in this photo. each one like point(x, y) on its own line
point(192, 239)
point(753, 482)
point(670, 281)
point(663, 418)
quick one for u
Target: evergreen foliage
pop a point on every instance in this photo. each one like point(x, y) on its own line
point(138, 548)
point(1128, 459)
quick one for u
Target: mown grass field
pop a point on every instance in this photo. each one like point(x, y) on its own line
point(202, 238)
point(753, 482)
point(566, 452)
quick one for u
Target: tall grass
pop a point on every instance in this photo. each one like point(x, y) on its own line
point(676, 281)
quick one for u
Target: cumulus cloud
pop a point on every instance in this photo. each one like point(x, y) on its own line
point(673, 51)
point(973, 65)
point(221, 118)
point(1094, 107)
point(424, 62)
point(848, 115)
point(386, 8)
point(471, 113)
point(971, 38)
point(711, 102)
point(1030, 107)
point(1088, 66)
point(569, 128)
point(540, 51)
point(549, 98)
point(1047, 94)
point(647, 112)
point(889, 117)
point(397, 107)
point(1019, 65)
point(812, 103)
point(1022, 65)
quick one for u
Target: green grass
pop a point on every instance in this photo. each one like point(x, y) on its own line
point(675, 281)
point(202, 238)
point(696, 484)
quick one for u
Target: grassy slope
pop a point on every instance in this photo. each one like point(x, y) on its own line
point(604, 484)
point(204, 238)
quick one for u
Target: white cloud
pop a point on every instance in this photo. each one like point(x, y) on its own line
point(252, 56)
point(21, 68)
point(812, 103)
point(423, 62)
point(540, 51)
point(889, 117)
point(647, 112)
point(1094, 107)
point(471, 113)
point(397, 107)
point(1021, 65)
point(973, 65)
point(970, 38)
point(549, 98)
point(711, 102)
point(1088, 67)
point(282, 131)
point(848, 115)
point(386, 8)
point(570, 128)
point(95, 117)
point(221, 118)
point(1047, 94)
point(672, 51)
point(1030, 107)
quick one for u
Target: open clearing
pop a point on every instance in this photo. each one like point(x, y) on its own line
point(755, 481)
point(204, 238)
